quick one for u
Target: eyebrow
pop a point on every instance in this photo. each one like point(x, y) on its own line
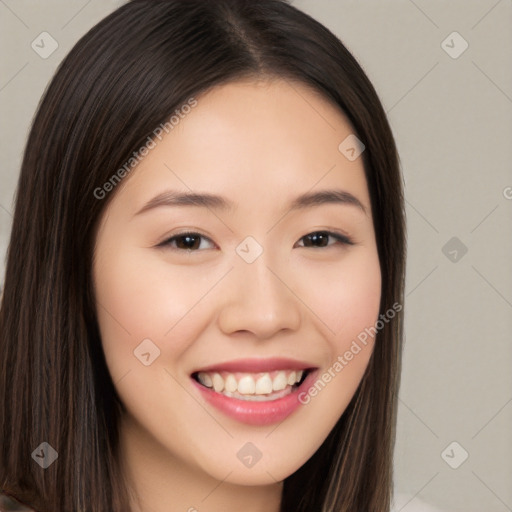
point(215, 202)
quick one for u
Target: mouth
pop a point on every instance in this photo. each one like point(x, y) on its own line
point(255, 392)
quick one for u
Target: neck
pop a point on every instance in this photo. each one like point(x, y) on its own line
point(161, 482)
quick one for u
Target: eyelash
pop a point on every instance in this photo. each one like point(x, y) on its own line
point(339, 237)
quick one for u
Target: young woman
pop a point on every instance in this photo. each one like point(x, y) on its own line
point(203, 299)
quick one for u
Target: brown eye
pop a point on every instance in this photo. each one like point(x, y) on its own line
point(321, 239)
point(186, 242)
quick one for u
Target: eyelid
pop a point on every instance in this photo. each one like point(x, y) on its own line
point(166, 243)
point(340, 237)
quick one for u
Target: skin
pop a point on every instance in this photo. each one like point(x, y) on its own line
point(259, 144)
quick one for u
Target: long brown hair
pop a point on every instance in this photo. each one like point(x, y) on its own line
point(125, 76)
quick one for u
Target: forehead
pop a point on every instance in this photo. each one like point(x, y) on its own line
point(255, 143)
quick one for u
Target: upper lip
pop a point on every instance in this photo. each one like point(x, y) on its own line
point(257, 365)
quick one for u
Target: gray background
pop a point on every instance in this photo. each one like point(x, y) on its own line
point(452, 118)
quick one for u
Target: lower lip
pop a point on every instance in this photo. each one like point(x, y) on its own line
point(257, 413)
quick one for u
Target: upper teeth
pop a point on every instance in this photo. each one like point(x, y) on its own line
point(250, 383)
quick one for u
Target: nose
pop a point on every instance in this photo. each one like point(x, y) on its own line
point(258, 300)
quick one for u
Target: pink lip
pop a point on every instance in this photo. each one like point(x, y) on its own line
point(257, 413)
point(257, 365)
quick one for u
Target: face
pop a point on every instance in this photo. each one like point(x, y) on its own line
point(227, 323)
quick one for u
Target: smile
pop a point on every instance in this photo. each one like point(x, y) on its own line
point(255, 397)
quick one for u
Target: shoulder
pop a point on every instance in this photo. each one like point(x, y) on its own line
point(414, 504)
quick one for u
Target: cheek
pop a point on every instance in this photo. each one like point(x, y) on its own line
point(142, 298)
point(344, 297)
